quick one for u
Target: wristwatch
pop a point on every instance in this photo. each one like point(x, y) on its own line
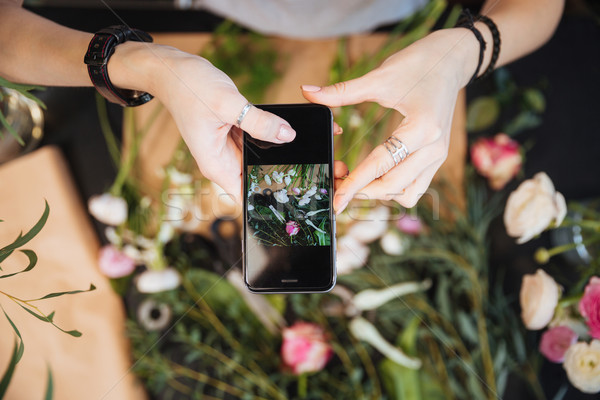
point(101, 47)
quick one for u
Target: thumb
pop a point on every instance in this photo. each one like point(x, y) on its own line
point(353, 91)
point(260, 124)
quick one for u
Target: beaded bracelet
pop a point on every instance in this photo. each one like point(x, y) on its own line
point(466, 21)
point(496, 38)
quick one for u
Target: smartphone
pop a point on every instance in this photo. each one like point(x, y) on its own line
point(289, 230)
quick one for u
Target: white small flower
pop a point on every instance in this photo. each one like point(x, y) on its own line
point(318, 196)
point(268, 179)
point(371, 299)
point(292, 172)
point(133, 253)
point(311, 191)
point(165, 233)
point(304, 201)
point(277, 176)
point(153, 316)
point(355, 120)
point(108, 209)
point(393, 244)
point(311, 213)
point(281, 196)
point(152, 281)
point(250, 207)
point(309, 223)
point(364, 330)
point(287, 180)
point(145, 202)
point(112, 236)
point(179, 178)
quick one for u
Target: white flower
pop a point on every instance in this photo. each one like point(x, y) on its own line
point(287, 180)
point(355, 120)
point(268, 179)
point(277, 214)
point(292, 172)
point(311, 191)
point(317, 196)
point(277, 176)
point(393, 243)
point(303, 201)
point(533, 207)
point(539, 297)
point(371, 299)
point(281, 196)
point(108, 209)
point(372, 226)
point(112, 236)
point(309, 223)
point(153, 316)
point(262, 308)
point(165, 233)
point(250, 207)
point(364, 330)
point(152, 281)
point(254, 188)
point(582, 363)
point(178, 178)
point(133, 253)
point(311, 213)
point(351, 254)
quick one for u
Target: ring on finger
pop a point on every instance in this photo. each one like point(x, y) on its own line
point(242, 115)
point(397, 149)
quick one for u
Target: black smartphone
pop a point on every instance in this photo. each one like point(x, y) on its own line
point(289, 229)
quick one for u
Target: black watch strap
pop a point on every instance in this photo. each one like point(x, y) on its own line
point(101, 47)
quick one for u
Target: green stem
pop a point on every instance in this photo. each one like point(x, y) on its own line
point(109, 136)
point(302, 385)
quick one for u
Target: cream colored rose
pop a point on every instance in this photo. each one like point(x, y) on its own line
point(582, 363)
point(533, 207)
point(539, 297)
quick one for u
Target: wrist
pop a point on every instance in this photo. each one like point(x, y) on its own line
point(133, 66)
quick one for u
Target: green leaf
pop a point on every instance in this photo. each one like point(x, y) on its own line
point(57, 294)
point(535, 100)
point(524, 120)
point(466, 327)
point(22, 239)
point(49, 386)
point(49, 319)
point(11, 130)
point(5, 255)
point(21, 344)
point(32, 261)
point(482, 113)
point(9, 371)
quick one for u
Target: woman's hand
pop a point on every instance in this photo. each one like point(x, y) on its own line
point(421, 82)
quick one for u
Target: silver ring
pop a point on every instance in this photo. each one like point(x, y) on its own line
point(397, 149)
point(247, 107)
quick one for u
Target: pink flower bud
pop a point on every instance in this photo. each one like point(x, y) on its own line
point(556, 341)
point(589, 306)
point(410, 225)
point(305, 348)
point(113, 263)
point(292, 228)
point(498, 159)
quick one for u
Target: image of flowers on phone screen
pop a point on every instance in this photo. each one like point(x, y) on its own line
point(289, 205)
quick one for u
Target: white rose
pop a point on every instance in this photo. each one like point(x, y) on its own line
point(372, 226)
point(108, 209)
point(539, 297)
point(351, 254)
point(393, 244)
point(151, 281)
point(268, 180)
point(533, 207)
point(281, 196)
point(287, 180)
point(582, 363)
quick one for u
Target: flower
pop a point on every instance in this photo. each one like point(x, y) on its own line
point(287, 180)
point(154, 281)
point(532, 207)
point(179, 178)
point(372, 226)
point(305, 348)
point(351, 254)
point(108, 209)
point(555, 342)
point(498, 159)
point(281, 196)
point(277, 176)
point(296, 191)
point(153, 316)
point(292, 228)
point(267, 180)
point(410, 224)
point(323, 191)
point(370, 299)
point(539, 297)
point(165, 232)
point(582, 363)
point(304, 201)
point(393, 244)
point(364, 330)
point(292, 172)
point(114, 263)
point(589, 306)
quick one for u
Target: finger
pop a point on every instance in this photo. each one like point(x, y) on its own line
point(337, 183)
point(237, 136)
point(340, 169)
point(340, 94)
point(259, 124)
point(337, 130)
point(411, 196)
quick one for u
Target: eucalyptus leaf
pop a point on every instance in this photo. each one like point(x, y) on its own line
point(467, 327)
point(48, 296)
point(49, 386)
point(49, 318)
point(32, 262)
point(21, 343)
point(534, 98)
point(482, 113)
point(9, 370)
point(11, 130)
point(23, 239)
point(524, 120)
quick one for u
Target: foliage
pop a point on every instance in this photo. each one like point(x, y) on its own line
point(24, 90)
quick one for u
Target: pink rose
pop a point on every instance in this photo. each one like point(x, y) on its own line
point(114, 263)
point(498, 159)
point(409, 224)
point(589, 306)
point(292, 228)
point(305, 348)
point(556, 341)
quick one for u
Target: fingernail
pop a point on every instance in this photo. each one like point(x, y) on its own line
point(311, 88)
point(286, 134)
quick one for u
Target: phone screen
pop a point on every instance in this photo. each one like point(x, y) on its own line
point(289, 232)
